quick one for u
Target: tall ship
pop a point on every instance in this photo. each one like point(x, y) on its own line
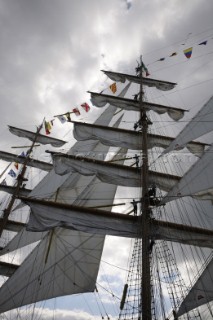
point(129, 176)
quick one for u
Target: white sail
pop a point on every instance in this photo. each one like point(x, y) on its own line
point(22, 239)
point(68, 267)
point(88, 186)
point(80, 218)
point(40, 137)
point(122, 77)
point(69, 238)
point(54, 185)
point(127, 138)
point(197, 181)
point(10, 157)
point(110, 172)
point(10, 190)
point(200, 293)
point(74, 222)
point(162, 230)
point(199, 125)
point(96, 221)
point(100, 100)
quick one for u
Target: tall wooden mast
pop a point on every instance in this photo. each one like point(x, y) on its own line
point(20, 180)
point(145, 218)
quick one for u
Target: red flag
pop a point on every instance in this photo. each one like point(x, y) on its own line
point(85, 106)
point(76, 111)
point(16, 165)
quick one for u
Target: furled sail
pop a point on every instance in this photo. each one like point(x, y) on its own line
point(201, 292)
point(6, 156)
point(40, 137)
point(197, 181)
point(163, 230)
point(109, 172)
point(79, 218)
point(100, 100)
point(96, 221)
point(122, 77)
point(127, 138)
point(9, 189)
point(199, 125)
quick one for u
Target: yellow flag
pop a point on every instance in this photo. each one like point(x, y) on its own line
point(113, 87)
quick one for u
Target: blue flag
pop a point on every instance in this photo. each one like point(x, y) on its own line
point(12, 173)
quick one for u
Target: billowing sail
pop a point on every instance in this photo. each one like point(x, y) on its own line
point(100, 100)
point(127, 138)
point(122, 77)
point(69, 266)
point(6, 156)
point(40, 137)
point(197, 181)
point(201, 292)
point(199, 125)
point(109, 172)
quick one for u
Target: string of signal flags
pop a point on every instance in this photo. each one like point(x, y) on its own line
point(187, 52)
point(66, 117)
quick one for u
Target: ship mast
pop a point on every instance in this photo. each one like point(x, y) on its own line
point(146, 212)
point(20, 180)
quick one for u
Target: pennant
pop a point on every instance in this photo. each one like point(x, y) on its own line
point(145, 69)
point(85, 106)
point(113, 87)
point(203, 43)
point(161, 59)
point(4, 183)
point(173, 54)
point(12, 173)
point(16, 165)
point(188, 52)
point(68, 116)
point(76, 111)
point(47, 127)
point(62, 118)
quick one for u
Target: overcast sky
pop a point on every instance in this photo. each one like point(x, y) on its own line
point(52, 51)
